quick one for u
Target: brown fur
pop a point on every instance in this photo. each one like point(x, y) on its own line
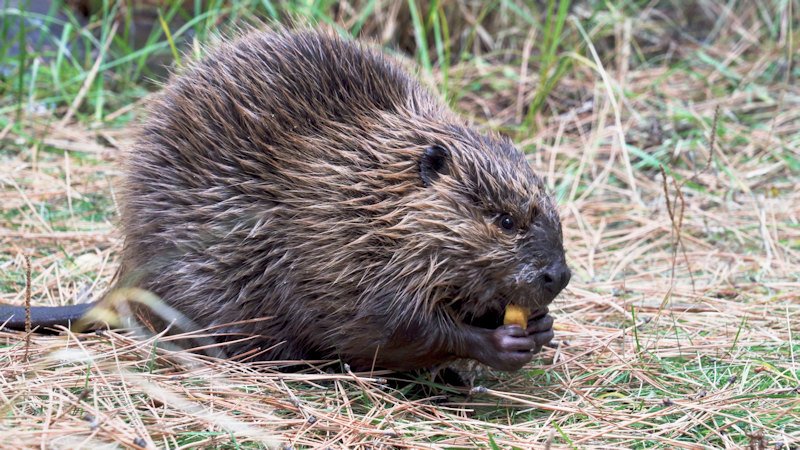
point(281, 177)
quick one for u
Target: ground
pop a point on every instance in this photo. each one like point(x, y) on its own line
point(669, 132)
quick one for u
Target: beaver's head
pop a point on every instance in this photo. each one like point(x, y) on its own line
point(486, 225)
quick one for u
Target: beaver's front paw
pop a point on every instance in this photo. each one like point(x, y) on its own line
point(509, 348)
point(540, 328)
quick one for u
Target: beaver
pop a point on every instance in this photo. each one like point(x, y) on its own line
point(308, 178)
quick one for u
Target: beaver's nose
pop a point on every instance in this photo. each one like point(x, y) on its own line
point(555, 278)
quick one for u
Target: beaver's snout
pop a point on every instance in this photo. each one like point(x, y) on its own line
point(555, 278)
point(539, 286)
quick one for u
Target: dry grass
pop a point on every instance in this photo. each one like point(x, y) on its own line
point(679, 328)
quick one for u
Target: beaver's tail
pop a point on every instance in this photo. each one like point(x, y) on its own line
point(42, 317)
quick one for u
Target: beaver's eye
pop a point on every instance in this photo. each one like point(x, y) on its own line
point(507, 223)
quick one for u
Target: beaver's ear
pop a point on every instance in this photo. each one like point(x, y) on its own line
point(434, 162)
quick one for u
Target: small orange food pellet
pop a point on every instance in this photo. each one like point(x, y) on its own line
point(516, 315)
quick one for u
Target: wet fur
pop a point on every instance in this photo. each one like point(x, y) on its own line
point(280, 177)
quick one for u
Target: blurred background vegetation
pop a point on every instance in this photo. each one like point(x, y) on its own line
point(521, 48)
